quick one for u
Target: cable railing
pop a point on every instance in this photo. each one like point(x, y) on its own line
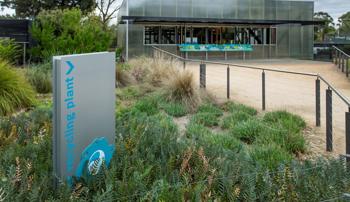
point(334, 115)
point(341, 60)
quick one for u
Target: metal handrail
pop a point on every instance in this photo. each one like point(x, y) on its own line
point(236, 65)
point(338, 49)
point(340, 95)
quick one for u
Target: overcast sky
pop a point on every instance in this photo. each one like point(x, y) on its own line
point(334, 7)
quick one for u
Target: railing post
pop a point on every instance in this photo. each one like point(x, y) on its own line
point(329, 127)
point(228, 82)
point(347, 133)
point(342, 63)
point(339, 60)
point(347, 67)
point(318, 103)
point(263, 91)
point(335, 56)
point(184, 63)
point(202, 75)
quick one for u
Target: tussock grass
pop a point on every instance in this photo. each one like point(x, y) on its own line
point(15, 92)
point(233, 119)
point(206, 119)
point(270, 156)
point(210, 108)
point(181, 88)
point(40, 77)
point(233, 107)
point(293, 123)
point(123, 77)
point(174, 109)
point(195, 131)
point(248, 131)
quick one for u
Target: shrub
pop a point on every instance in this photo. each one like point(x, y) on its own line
point(67, 32)
point(15, 92)
point(8, 50)
point(270, 156)
point(206, 119)
point(233, 119)
point(235, 107)
point(292, 123)
point(40, 77)
point(181, 88)
point(174, 109)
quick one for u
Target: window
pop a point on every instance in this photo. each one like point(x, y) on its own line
point(160, 35)
point(152, 35)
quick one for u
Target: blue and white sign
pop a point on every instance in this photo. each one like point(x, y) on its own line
point(84, 114)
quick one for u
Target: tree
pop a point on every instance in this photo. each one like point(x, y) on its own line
point(326, 30)
point(107, 9)
point(68, 31)
point(344, 24)
point(31, 8)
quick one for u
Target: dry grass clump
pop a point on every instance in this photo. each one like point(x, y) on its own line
point(123, 77)
point(161, 69)
point(181, 88)
point(139, 68)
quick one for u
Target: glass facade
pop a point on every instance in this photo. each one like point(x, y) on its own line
point(287, 40)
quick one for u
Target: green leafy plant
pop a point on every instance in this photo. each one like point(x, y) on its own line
point(40, 77)
point(15, 92)
point(9, 50)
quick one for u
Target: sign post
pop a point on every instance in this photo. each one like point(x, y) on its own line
point(84, 114)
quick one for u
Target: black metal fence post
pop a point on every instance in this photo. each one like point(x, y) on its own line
point(347, 133)
point(318, 103)
point(339, 60)
point(347, 67)
point(263, 91)
point(342, 63)
point(228, 82)
point(329, 127)
point(184, 63)
point(335, 56)
point(202, 75)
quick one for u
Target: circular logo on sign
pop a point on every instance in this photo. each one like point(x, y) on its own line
point(96, 161)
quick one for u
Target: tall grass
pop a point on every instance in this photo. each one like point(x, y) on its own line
point(15, 92)
point(40, 77)
point(181, 88)
point(9, 50)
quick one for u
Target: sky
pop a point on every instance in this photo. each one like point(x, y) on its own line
point(334, 7)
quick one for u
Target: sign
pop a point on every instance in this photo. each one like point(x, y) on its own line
point(84, 114)
point(215, 47)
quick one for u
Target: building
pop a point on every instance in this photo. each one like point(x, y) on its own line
point(271, 28)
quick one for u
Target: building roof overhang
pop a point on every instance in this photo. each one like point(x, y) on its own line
point(189, 20)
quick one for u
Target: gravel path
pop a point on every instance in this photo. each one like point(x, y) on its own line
point(293, 93)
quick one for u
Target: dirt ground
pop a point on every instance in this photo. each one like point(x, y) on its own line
point(294, 93)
